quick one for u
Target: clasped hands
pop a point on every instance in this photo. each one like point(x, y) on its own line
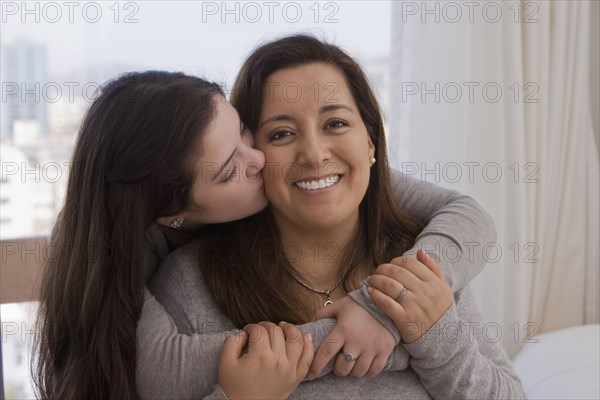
point(284, 357)
point(427, 298)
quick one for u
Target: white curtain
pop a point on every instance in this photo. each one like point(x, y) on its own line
point(493, 99)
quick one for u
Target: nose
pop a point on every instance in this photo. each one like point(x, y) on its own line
point(256, 159)
point(256, 164)
point(313, 149)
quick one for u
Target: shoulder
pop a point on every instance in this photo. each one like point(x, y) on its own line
point(155, 250)
point(408, 186)
point(185, 255)
point(178, 279)
point(180, 288)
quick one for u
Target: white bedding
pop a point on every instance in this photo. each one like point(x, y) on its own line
point(564, 364)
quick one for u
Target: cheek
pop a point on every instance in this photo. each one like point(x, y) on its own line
point(215, 200)
point(236, 194)
point(227, 205)
point(362, 152)
point(276, 163)
point(199, 195)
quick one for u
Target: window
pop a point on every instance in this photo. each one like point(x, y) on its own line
point(203, 38)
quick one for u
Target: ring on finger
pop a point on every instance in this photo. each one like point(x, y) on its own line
point(402, 294)
point(349, 357)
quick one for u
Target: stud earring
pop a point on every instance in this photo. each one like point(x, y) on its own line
point(372, 161)
point(176, 223)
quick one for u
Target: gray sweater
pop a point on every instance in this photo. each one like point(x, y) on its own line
point(178, 350)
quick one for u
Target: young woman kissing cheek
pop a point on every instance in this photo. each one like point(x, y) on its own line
point(317, 148)
point(227, 181)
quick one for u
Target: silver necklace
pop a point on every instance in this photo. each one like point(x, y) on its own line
point(327, 292)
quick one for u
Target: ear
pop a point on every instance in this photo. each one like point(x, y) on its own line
point(371, 148)
point(166, 221)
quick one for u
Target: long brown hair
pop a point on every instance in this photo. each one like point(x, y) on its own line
point(244, 263)
point(131, 165)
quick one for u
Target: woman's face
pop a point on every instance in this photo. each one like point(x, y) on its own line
point(316, 146)
point(228, 184)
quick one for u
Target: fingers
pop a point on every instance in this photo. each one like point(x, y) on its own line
point(400, 274)
point(306, 358)
point(391, 287)
point(233, 346)
point(415, 266)
point(377, 366)
point(343, 367)
point(421, 256)
point(388, 305)
point(275, 334)
point(357, 368)
point(293, 340)
point(430, 263)
point(361, 366)
point(258, 338)
point(328, 349)
point(265, 337)
point(299, 349)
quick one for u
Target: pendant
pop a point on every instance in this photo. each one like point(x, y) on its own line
point(328, 301)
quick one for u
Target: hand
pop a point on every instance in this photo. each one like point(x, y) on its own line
point(428, 297)
point(356, 332)
point(277, 360)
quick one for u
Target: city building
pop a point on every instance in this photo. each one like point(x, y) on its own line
point(24, 86)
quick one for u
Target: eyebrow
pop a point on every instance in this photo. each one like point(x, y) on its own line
point(223, 165)
point(322, 110)
point(278, 117)
point(334, 107)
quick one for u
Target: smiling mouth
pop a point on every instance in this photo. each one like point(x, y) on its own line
point(318, 184)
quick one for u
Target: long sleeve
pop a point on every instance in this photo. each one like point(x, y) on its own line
point(172, 365)
point(181, 331)
point(179, 346)
point(460, 357)
point(169, 355)
point(456, 229)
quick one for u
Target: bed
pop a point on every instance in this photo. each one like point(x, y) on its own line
point(563, 364)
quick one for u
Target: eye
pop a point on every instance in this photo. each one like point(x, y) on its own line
point(336, 124)
point(280, 134)
point(232, 175)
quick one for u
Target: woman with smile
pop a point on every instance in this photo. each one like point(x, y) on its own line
point(318, 136)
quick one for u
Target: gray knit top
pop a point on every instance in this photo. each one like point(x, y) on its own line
point(181, 328)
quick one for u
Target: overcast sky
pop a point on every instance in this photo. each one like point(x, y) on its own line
point(197, 37)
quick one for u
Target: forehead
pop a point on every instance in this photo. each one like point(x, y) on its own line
point(309, 83)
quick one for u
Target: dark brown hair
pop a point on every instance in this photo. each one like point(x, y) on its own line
point(244, 264)
point(131, 165)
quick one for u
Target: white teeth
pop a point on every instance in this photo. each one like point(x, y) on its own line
point(320, 184)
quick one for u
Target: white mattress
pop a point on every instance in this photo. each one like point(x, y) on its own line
point(564, 364)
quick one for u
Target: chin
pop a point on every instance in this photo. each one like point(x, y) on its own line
point(262, 206)
point(319, 222)
point(257, 206)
